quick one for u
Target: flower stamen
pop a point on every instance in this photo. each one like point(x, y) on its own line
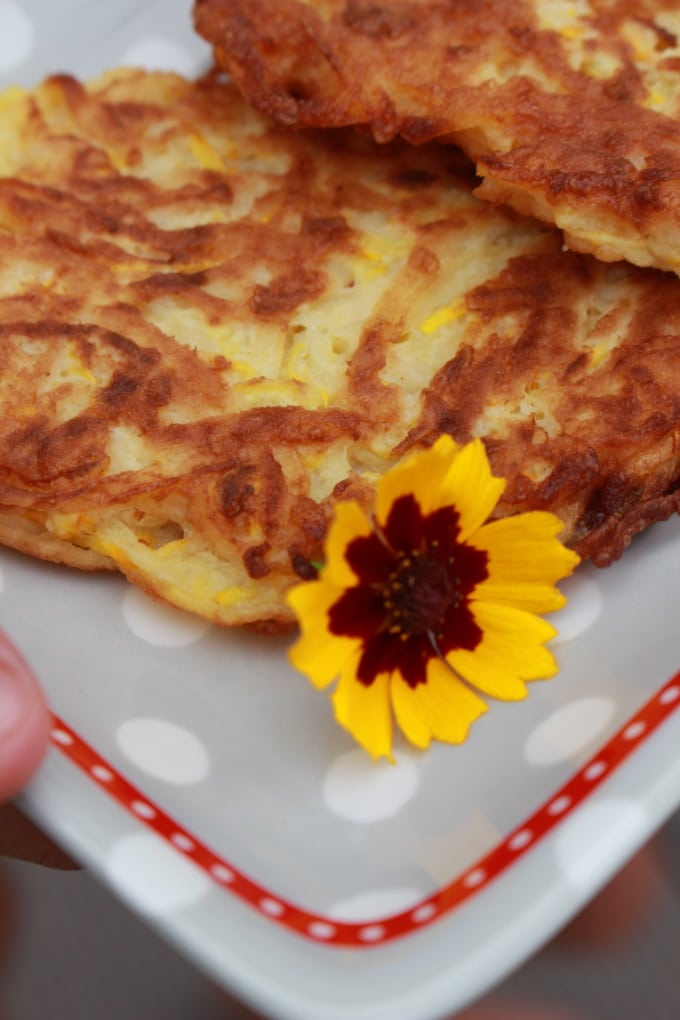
point(419, 591)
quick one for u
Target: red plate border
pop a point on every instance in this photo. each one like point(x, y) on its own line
point(328, 931)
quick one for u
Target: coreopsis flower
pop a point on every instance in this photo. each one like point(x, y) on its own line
point(422, 610)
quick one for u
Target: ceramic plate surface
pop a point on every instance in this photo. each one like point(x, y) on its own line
point(207, 783)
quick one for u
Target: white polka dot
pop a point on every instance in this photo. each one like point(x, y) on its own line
point(634, 731)
point(62, 737)
point(559, 805)
point(144, 810)
point(103, 774)
point(321, 930)
point(158, 624)
point(373, 933)
point(164, 750)
point(362, 790)
point(183, 842)
point(160, 54)
point(222, 874)
point(592, 843)
point(520, 840)
point(594, 771)
point(424, 913)
point(568, 731)
point(272, 907)
point(375, 905)
point(670, 695)
point(474, 878)
point(17, 35)
point(151, 875)
point(584, 605)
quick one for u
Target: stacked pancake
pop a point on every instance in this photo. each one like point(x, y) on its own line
point(570, 110)
point(214, 326)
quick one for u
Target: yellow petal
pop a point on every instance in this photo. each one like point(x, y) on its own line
point(444, 475)
point(525, 561)
point(510, 652)
point(470, 487)
point(318, 653)
point(442, 708)
point(365, 710)
point(350, 522)
point(420, 474)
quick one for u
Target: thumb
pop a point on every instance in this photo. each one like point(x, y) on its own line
point(24, 721)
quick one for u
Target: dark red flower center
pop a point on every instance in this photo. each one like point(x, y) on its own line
point(412, 598)
point(420, 590)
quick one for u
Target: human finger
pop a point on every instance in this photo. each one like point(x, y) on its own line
point(24, 721)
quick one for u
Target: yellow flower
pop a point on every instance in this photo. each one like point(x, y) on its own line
point(425, 607)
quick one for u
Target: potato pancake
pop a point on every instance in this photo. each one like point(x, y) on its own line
point(213, 329)
point(570, 110)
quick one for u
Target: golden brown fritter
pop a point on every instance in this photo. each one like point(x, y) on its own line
point(212, 329)
point(571, 110)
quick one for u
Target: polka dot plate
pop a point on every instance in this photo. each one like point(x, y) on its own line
point(208, 785)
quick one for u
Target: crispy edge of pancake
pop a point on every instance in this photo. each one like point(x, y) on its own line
point(569, 155)
point(29, 535)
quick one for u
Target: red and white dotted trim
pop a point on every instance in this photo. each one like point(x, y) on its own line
point(341, 933)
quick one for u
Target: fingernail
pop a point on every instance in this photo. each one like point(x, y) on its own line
point(15, 692)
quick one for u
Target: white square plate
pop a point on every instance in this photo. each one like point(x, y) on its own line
point(207, 783)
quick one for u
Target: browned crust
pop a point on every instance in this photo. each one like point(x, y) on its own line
point(614, 421)
point(567, 367)
point(598, 155)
